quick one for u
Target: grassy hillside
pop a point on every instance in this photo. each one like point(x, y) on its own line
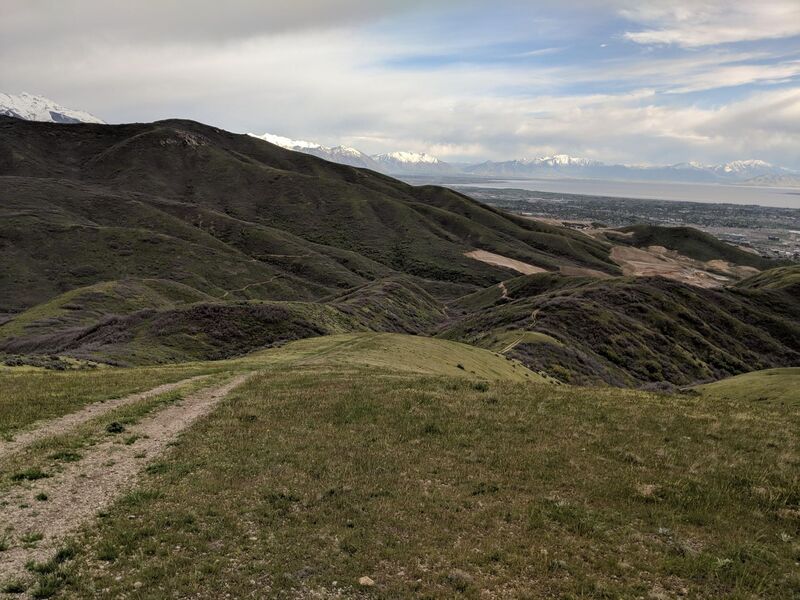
point(234, 216)
point(85, 306)
point(786, 279)
point(382, 351)
point(630, 331)
point(440, 486)
point(689, 242)
point(150, 322)
point(772, 385)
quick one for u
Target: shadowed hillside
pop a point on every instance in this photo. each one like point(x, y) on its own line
point(235, 217)
point(174, 241)
point(630, 331)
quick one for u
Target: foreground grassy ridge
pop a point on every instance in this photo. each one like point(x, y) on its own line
point(303, 481)
point(427, 356)
point(782, 385)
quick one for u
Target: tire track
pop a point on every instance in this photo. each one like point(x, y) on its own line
point(72, 420)
point(84, 488)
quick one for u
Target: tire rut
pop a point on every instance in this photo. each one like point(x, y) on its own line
point(72, 420)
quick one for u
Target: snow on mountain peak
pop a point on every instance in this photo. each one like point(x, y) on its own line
point(409, 157)
point(560, 160)
point(285, 142)
point(737, 166)
point(38, 108)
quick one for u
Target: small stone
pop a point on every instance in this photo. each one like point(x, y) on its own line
point(366, 581)
point(137, 585)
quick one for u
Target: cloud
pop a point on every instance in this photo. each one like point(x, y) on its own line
point(711, 22)
point(340, 78)
point(49, 22)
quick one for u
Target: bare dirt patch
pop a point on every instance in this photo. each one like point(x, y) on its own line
point(498, 260)
point(658, 261)
point(75, 495)
point(62, 424)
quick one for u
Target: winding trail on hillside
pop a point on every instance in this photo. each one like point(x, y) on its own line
point(70, 421)
point(519, 340)
point(503, 290)
point(249, 285)
point(83, 488)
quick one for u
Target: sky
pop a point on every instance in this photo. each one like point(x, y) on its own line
point(636, 82)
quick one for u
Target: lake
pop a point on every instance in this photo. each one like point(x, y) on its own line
point(689, 192)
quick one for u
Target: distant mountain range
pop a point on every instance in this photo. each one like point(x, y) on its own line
point(562, 165)
point(748, 172)
point(754, 172)
point(396, 163)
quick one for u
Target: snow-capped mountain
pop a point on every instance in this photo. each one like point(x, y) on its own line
point(747, 169)
point(542, 166)
point(552, 166)
point(338, 154)
point(38, 108)
point(562, 160)
point(562, 165)
point(412, 163)
point(394, 163)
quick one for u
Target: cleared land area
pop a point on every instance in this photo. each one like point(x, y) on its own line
point(499, 260)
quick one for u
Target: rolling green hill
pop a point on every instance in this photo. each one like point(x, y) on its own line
point(175, 241)
point(631, 331)
point(150, 322)
point(776, 386)
point(785, 279)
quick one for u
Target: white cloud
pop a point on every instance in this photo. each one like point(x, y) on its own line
point(711, 22)
point(331, 85)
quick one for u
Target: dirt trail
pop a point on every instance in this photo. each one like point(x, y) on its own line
point(76, 494)
point(249, 285)
point(60, 425)
point(518, 341)
point(513, 344)
point(503, 290)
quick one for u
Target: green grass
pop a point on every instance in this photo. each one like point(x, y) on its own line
point(773, 385)
point(29, 396)
point(306, 479)
point(438, 470)
point(429, 356)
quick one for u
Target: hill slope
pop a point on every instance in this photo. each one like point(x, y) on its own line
point(690, 242)
point(220, 212)
point(630, 331)
point(772, 385)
